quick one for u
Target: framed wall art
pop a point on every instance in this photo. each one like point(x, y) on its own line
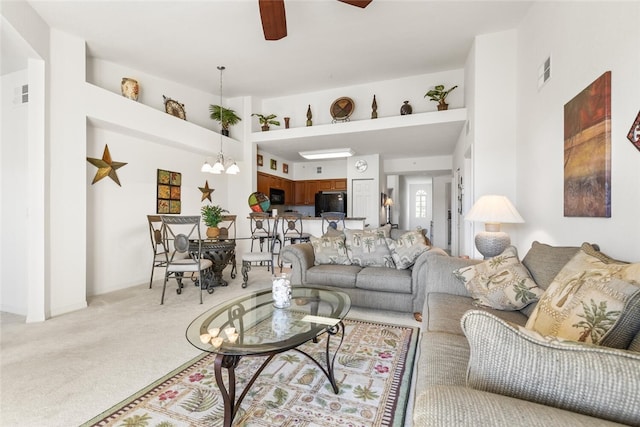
point(274, 164)
point(169, 192)
point(260, 160)
point(587, 151)
point(634, 132)
point(285, 168)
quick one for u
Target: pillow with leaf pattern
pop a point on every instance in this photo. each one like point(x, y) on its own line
point(593, 299)
point(501, 282)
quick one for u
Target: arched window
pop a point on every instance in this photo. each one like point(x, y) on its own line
point(421, 204)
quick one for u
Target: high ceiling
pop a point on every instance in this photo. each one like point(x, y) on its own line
point(329, 43)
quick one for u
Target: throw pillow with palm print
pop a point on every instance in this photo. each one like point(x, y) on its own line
point(593, 300)
point(501, 282)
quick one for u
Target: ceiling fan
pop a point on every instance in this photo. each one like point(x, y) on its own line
point(274, 21)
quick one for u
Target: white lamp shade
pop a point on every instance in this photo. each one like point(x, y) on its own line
point(206, 167)
point(217, 168)
point(494, 209)
point(233, 169)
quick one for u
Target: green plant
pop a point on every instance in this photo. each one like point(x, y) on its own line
point(212, 215)
point(267, 120)
point(438, 94)
point(225, 116)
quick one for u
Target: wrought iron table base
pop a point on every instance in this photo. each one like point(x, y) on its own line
point(231, 405)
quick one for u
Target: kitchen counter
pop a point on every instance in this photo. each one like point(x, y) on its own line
point(313, 224)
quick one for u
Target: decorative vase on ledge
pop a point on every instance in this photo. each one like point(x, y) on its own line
point(129, 88)
point(406, 109)
point(443, 106)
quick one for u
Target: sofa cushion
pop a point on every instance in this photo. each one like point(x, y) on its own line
point(635, 344)
point(384, 280)
point(330, 250)
point(544, 262)
point(407, 248)
point(341, 276)
point(443, 360)
point(444, 311)
point(368, 248)
point(584, 378)
point(501, 282)
point(593, 299)
point(465, 407)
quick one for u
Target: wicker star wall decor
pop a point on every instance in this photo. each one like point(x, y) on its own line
point(206, 191)
point(106, 167)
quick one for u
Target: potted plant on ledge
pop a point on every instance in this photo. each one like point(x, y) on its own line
point(212, 216)
point(439, 95)
point(224, 116)
point(265, 121)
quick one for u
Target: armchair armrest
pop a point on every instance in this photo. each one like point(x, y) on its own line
point(585, 378)
point(433, 272)
point(301, 257)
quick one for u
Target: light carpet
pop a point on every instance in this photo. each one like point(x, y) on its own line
point(373, 370)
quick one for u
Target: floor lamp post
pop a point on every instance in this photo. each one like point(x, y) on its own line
point(388, 203)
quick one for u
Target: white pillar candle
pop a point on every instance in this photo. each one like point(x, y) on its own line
point(229, 331)
point(216, 342)
point(205, 338)
point(233, 337)
point(214, 332)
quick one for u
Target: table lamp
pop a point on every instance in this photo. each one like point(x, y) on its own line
point(493, 210)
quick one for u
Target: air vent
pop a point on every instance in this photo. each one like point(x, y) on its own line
point(544, 72)
point(25, 94)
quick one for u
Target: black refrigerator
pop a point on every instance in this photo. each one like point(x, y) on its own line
point(331, 201)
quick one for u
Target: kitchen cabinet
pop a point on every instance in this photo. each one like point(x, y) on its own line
point(299, 193)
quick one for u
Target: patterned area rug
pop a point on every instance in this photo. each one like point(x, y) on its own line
point(373, 370)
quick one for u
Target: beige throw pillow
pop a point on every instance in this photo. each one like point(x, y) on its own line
point(330, 250)
point(501, 282)
point(593, 299)
point(368, 248)
point(406, 249)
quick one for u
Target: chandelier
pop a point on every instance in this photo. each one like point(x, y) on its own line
point(219, 165)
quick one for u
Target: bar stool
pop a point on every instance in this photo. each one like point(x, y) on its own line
point(292, 231)
point(332, 220)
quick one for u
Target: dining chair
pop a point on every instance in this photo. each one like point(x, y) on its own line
point(178, 232)
point(332, 220)
point(157, 244)
point(227, 228)
point(292, 230)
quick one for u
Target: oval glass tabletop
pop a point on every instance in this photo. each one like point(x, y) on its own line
point(251, 325)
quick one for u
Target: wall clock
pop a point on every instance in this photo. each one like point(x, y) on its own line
point(361, 165)
point(174, 108)
point(341, 109)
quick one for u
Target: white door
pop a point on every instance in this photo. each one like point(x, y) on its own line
point(364, 201)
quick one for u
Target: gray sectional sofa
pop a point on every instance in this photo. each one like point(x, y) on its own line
point(477, 367)
point(373, 287)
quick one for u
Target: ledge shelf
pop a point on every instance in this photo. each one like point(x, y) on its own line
point(109, 111)
point(454, 116)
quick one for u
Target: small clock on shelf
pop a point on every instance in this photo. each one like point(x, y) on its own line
point(173, 107)
point(361, 165)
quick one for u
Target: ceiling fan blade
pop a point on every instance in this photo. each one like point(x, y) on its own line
point(274, 20)
point(359, 3)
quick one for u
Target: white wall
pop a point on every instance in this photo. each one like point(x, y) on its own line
point(13, 203)
point(585, 39)
point(119, 251)
point(494, 120)
point(390, 95)
point(67, 171)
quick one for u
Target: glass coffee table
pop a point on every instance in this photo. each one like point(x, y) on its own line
point(251, 326)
